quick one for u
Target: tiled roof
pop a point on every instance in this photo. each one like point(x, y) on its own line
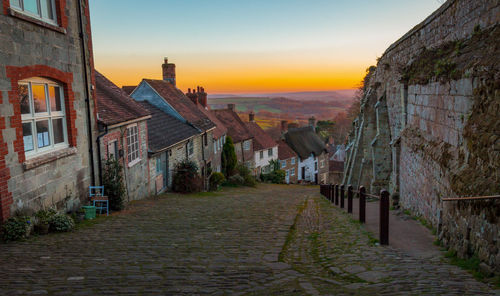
point(113, 104)
point(181, 103)
point(129, 88)
point(304, 141)
point(236, 128)
point(220, 127)
point(165, 130)
point(284, 151)
point(261, 140)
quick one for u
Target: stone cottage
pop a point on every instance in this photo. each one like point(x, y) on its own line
point(167, 97)
point(239, 133)
point(48, 120)
point(168, 139)
point(265, 149)
point(123, 136)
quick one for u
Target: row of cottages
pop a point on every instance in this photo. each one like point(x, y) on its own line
point(47, 115)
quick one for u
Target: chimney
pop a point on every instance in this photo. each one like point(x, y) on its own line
point(251, 116)
point(231, 107)
point(202, 97)
point(168, 72)
point(192, 96)
point(284, 126)
point(312, 123)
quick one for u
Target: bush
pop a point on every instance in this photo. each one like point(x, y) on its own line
point(236, 180)
point(244, 171)
point(276, 177)
point(186, 178)
point(44, 216)
point(114, 188)
point(61, 223)
point(15, 228)
point(216, 179)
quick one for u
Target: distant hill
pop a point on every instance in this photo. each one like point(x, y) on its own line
point(345, 94)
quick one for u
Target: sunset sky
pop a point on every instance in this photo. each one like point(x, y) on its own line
point(258, 46)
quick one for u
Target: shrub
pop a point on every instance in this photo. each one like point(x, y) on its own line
point(228, 158)
point(61, 223)
point(113, 184)
point(15, 228)
point(186, 178)
point(276, 177)
point(216, 179)
point(44, 216)
point(236, 180)
point(244, 171)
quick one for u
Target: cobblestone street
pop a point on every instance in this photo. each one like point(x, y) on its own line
point(270, 240)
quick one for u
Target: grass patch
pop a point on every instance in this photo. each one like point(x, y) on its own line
point(291, 233)
point(470, 264)
point(89, 223)
point(206, 194)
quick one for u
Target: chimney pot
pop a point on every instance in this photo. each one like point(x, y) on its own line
point(251, 116)
point(168, 71)
point(231, 107)
point(284, 126)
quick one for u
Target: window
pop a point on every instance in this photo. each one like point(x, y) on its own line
point(270, 152)
point(190, 148)
point(41, 9)
point(215, 147)
point(113, 149)
point(205, 139)
point(283, 163)
point(43, 116)
point(132, 145)
point(293, 160)
point(261, 154)
point(158, 165)
point(287, 173)
point(246, 145)
point(315, 166)
point(322, 163)
point(293, 171)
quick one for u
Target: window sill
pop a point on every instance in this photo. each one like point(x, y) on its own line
point(37, 161)
point(36, 21)
point(134, 162)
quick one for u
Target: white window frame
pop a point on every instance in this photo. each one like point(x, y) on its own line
point(215, 146)
point(322, 163)
point(293, 172)
point(190, 148)
point(270, 152)
point(133, 155)
point(283, 163)
point(246, 145)
point(261, 154)
point(20, 9)
point(49, 116)
point(114, 144)
point(293, 161)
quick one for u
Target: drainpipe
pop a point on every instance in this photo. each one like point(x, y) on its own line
point(99, 164)
point(87, 93)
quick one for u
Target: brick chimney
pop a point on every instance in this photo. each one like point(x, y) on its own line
point(284, 126)
point(312, 123)
point(168, 72)
point(192, 96)
point(251, 116)
point(231, 107)
point(202, 97)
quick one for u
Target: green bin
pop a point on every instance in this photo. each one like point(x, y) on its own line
point(89, 212)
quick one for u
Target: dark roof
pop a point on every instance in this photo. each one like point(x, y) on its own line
point(129, 88)
point(284, 151)
point(336, 166)
point(236, 128)
point(304, 141)
point(274, 132)
point(261, 140)
point(164, 130)
point(113, 104)
point(181, 103)
point(220, 127)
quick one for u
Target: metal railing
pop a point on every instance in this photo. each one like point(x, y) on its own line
point(471, 198)
point(336, 195)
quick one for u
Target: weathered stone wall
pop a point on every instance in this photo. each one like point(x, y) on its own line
point(29, 49)
point(429, 126)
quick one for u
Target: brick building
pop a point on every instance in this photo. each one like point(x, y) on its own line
point(265, 149)
point(288, 162)
point(47, 122)
point(123, 136)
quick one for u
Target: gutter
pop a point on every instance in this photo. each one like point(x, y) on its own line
point(99, 164)
point(87, 93)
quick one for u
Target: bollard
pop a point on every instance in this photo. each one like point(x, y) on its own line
point(384, 217)
point(342, 197)
point(362, 204)
point(349, 199)
point(330, 193)
point(336, 194)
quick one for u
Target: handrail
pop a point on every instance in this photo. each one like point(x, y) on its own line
point(368, 194)
point(471, 198)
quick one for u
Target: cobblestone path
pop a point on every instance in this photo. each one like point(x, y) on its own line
point(273, 240)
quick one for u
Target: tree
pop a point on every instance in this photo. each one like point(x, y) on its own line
point(228, 157)
point(113, 184)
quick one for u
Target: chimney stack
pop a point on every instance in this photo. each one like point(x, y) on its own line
point(251, 116)
point(202, 97)
point(231, 107)
point(284, 126)
point(192, 96)
point(168, 72)
point(312, 123)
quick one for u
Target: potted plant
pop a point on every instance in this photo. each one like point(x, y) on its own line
point(43, 220)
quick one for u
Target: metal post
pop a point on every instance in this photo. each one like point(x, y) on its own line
point(349, 199)
point(362, 204)
point(336, 194)
point(342, 197)
point(384, 217)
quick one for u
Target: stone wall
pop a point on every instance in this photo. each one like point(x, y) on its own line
point(429, 126)
point(32, 48)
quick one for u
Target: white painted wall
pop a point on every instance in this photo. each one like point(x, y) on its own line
point(308, 163)
point(265, 161)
